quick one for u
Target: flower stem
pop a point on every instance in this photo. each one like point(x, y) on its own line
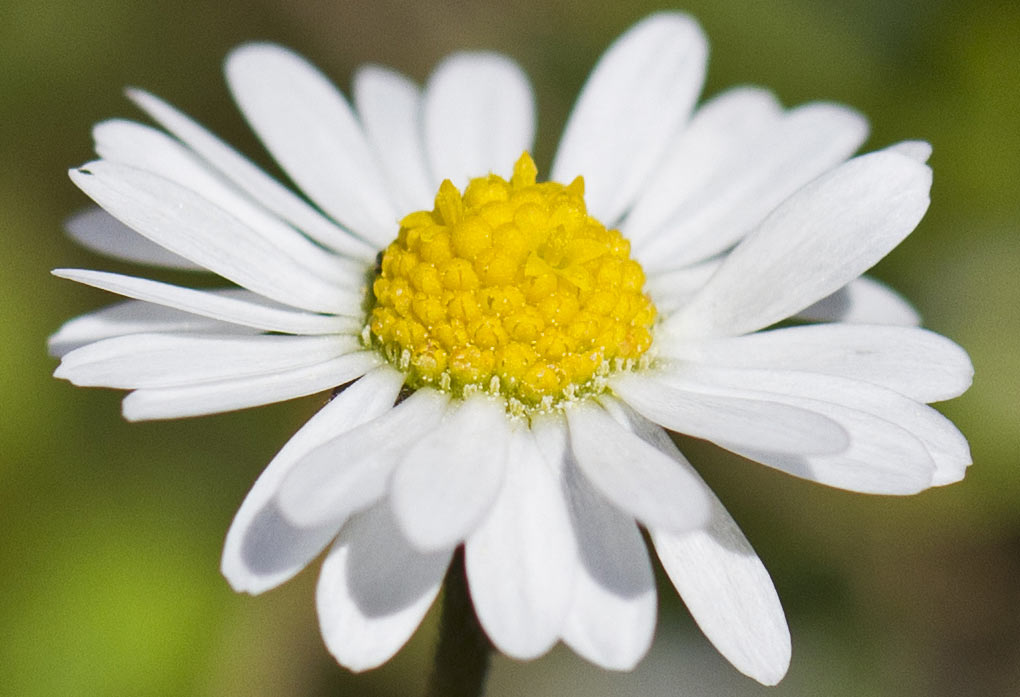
point(462, 656)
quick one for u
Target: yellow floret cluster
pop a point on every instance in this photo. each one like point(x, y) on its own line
point(510, 287)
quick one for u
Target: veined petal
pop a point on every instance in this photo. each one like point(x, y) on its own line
point(447, 481)
point(309, 128)
point(187, 224)
point(390, 107)
point(234, 306)
point(803, 144)
point(884, 455)
point(176, 359)
point(249, 178)
point(374, 590)
point(639, 94)
point(915, 362)
point(672, 289)
point(145, 148)
point(351, 471)
point(522, 559)
point(98, 231)
point(718, 133)
point(634, 476)
point(134, 317)
point(863, 301)
point(717, 573)
point(754, 422)
point(814, 243)
point(228, 395)
point(263, 549)
point(729, 593)
point(612, 618)
point(479, 116)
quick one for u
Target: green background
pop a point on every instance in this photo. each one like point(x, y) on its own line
point(111, 532)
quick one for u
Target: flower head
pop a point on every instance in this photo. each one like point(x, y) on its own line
point(506, 351)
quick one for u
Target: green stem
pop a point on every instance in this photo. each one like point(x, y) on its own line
point(462, 656)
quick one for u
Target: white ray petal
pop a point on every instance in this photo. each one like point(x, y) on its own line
point(263, 549)
point(249, 178)
point(712, 144)
point(374, 590)
point(672, 289)
point(177, 359)
point(522, 559)
point(919, 150)
point(612, 618)
point(815, 242)
point(638, 96)
point(390, 107)
point(915, 362)
point(634, 476)
point(98, 231)
point(717, 573)
point(228, 395)
point(730, 595)
point(882, 441)
point(447, 481)
point(234, 306)
point(883, 457)
point(754, 422)
point(308, 127)
point(134, 317)
point(863, 301)
point(803, 144)
point(187, 224)
point(479, 117)
point(145, 148)
point(352, 471)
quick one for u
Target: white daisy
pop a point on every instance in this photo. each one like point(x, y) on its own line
point(511, 360)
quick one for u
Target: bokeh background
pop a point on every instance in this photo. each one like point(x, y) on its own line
point(111, 532)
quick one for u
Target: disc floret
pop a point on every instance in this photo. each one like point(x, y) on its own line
point(511, 288)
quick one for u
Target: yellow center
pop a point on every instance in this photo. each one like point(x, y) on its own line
point(511, 288)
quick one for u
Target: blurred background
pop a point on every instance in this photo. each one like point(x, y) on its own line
point(111, 532)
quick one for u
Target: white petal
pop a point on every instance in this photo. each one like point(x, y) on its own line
point(98, 231)
point(133, 317)
point(374, 590)
point(448, 480)
point(672, 289)
point(612, 618)
point(228, 395)
point(730, 595)
point(249, 178)
point(915, 362)
point(522, 559)
point(919, 150)
point(147, 149)
point(176, 359)
point(236, 307)
point(390, 107)
point(721, 579)
point(479, 117)
point(633, 475)
point(351, 471)
point(311, 131)
point(753, 422)
point(818, 240)
point(884, 455)
point(806, 142)
point(187, 224)
point(863, 301)
point(639, 94)
point(263, 549)
point(720, 132)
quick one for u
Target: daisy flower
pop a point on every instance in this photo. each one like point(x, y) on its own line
point(507, 353)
